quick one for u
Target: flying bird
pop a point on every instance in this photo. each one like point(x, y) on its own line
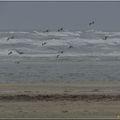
point(57, 56)
point(47, 30)
point(44, 43)
point(61, 51)
point(70, 46)
point(10, 53)
point(61, 29)
point(91, 23)
point(19, 52)
point(105, 38)
point(8, 38)
point(12, 37)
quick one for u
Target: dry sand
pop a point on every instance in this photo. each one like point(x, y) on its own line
point(60, 99)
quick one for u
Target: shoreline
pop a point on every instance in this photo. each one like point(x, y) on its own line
point(60, 99)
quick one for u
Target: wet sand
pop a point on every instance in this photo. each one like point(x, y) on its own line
point(60, 99)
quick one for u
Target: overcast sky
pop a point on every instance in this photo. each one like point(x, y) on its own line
point(28, 16)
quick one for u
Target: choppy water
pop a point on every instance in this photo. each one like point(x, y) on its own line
point(90, 57)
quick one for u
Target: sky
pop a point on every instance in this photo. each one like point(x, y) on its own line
point(30, 16)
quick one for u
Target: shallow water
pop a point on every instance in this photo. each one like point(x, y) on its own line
point(59, 70)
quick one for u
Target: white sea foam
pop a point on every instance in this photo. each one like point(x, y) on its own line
point(83, 43)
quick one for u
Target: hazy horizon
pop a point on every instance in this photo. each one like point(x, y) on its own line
point(29, 16)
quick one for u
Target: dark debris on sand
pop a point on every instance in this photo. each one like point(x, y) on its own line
point(59, 97)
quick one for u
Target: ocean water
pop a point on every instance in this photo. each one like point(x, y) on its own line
point(35, 56)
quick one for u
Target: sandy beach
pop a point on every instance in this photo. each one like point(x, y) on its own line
point(60, 99)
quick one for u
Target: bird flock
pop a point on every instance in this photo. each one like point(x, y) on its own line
point(11, 51)
point(44, 43)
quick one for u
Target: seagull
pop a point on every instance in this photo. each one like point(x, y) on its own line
point(12, 37)
point(61, 51)
point(57, 56)
point(46, 30)
point(19, 52)
point(61, 29)
point(105, 38)
point(70, 46)
point(10, 53)
point(91, 23)
point(44, 43)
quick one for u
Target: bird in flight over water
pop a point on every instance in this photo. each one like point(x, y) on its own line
point(91, 23)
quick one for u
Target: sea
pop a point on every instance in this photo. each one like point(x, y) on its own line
point(65, 55)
